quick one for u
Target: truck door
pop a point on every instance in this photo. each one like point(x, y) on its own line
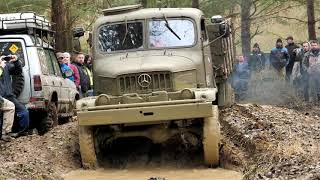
point(51, 82)
point(64, 99)
point(206, 54)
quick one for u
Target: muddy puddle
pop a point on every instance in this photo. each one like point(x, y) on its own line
point(140, 159)
point(156, 174)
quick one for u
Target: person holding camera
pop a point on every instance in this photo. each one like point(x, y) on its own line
point(11, 66)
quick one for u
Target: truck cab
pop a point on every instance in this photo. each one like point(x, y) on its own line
point(154, 78)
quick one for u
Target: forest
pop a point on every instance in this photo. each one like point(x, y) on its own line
point(251, 18)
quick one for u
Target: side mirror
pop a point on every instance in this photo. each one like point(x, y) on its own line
point(78, 32)
point(217, 19)
point(224, 28)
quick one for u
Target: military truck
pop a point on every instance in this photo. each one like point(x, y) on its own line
point(156, 76)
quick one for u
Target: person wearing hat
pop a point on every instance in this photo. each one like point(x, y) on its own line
point(65, 69)
point(279, 58)
point(291, 47)
point(257, 60)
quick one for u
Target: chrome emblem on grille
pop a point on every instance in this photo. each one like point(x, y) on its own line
point(144, 80)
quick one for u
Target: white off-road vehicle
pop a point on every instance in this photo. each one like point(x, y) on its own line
point(46, 94)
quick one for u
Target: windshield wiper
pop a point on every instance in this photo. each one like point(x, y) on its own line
point(125, 35)
point(170, 29)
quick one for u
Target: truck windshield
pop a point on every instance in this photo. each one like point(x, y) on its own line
point(124, 36)
point(171, 33)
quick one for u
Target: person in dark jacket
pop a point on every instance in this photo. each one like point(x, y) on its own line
point(88, 70)
point(299, 76)
point(13, 67)
point(291, 46)
point(311, 65)
point(240, 78)
point(257, 60)
point(84, 78)
point(279, 58)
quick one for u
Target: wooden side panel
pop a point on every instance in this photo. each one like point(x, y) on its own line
point(222, 52)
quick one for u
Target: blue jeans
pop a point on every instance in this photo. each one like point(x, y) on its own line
point(21, 120)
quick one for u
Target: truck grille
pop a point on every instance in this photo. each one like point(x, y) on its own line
point(159, 81)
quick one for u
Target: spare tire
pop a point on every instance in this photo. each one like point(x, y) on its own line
point(17, 84)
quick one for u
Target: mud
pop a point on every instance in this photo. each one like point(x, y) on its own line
point(258, 142)
point(275, 142)
point(156, 174)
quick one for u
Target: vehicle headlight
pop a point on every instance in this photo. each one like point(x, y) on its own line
point(185, 79)
point(207, 94)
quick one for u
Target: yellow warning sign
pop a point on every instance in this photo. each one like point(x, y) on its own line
point(13, 48)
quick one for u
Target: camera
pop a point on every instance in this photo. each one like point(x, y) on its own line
point(7, 58)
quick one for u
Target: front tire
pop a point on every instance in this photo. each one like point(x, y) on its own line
point(50, 120)
point(87, 148)
point(211, 138)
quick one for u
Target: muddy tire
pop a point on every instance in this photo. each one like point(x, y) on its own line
point(17, 84)
point(211, 138)
point(87, 148)
point(50, 120)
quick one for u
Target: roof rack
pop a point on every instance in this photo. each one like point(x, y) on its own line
point(121, 9)
point(26, 23)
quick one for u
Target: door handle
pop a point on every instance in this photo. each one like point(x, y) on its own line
point(52, 82)
point(60, 83)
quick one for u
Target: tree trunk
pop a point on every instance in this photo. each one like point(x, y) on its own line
point(195, 4)
point(68, 34)
point(58, 20)
point(144, 3)
point(311, 20)
point(245, 27)
point(233, 31)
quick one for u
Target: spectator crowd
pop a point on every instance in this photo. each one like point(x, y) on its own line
point(79, 70)
point(293, 64)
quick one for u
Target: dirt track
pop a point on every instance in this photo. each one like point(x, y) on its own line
point(260, 141)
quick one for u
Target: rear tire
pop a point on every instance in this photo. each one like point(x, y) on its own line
point(87, 148)
point(50, 120)
point(211, 138)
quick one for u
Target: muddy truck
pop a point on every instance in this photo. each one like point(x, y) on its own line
point(158, 74)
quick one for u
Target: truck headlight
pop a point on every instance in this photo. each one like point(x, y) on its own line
point(185, 79)
point(208, 94)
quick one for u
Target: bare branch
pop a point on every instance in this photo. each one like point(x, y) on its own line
point(289, 18)
point(254, 8)
point(256, 32)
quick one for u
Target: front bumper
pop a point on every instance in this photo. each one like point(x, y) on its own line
point(151, 112)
